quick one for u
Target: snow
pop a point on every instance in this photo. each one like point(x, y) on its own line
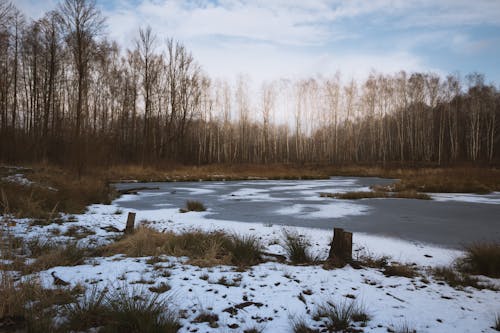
point(194, 191)
point(250, 194)
point(389, 300)
point(493, 198)
point(18, 178)
point(278, 286)
point(332, 210)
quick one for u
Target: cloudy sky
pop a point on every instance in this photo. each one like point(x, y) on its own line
point(274, 38)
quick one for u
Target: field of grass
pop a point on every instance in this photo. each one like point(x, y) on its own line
point(466, 179)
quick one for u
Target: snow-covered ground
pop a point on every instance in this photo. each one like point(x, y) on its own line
point(280, 293)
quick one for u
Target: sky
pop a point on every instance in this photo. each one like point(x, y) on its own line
point(271, 39)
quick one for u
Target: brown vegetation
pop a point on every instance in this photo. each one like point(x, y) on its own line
point(123, 309)
point(193, 206)
point(28, 305)
point(297, 248)
point(377, 194)
point(481, 259)
point(202, 248)
point(68, 254)
point(341, 315)
point(408, 271)
point(458, 279)
point(53, 190)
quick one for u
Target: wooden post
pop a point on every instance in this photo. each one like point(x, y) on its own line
point(341, 247)
point(129, 228)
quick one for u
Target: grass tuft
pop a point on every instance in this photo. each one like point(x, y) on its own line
point(193, 206)
point(207, 317)
point(300, 326)
point(122, 310)
point(338, 315)
point(459, 279)
point(202, 248)
point(297, 248)
point(28, 305)
point(245, 250)
point(400, 270)
point(402, 328)
point(404, 194)
point(496, 325)
point(67, 254)
point(481, 258)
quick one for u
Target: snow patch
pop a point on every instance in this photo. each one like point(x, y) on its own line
point(324, 211)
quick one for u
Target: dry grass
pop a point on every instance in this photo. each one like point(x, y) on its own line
point(246, 250)
point(458, 279)
point(460, 179)
point(193, 206)
point(67, 254)
point(408, 271)
point(481, 258)
point(207, 317)
point(341, 315)
point(368, 259)
point(408, 194)
point(202, 248)
point(124, 309)
point(178, 172)
point(496, 324)
point(450, 180)
point(300, 326)
point(30, 306)
point(297, 248)
point(54, 190)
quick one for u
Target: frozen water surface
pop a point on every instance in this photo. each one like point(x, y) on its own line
point(449, 220)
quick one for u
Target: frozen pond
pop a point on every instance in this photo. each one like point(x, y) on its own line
point(450, 220)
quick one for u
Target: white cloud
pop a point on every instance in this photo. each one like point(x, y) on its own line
point(268, 39)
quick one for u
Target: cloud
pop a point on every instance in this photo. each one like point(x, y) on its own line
point(270, 38)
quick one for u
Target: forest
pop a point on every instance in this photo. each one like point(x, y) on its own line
point(71, 96)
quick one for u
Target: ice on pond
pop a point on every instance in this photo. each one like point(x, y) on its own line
point(331, 210)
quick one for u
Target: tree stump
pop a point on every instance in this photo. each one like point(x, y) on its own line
point(129, 228)
point(341, 247)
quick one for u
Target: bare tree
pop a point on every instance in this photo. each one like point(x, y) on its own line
point(82, 23)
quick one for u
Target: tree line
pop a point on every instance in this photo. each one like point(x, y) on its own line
point(70, 95)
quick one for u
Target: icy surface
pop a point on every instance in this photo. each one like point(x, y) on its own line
point(493, 198)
